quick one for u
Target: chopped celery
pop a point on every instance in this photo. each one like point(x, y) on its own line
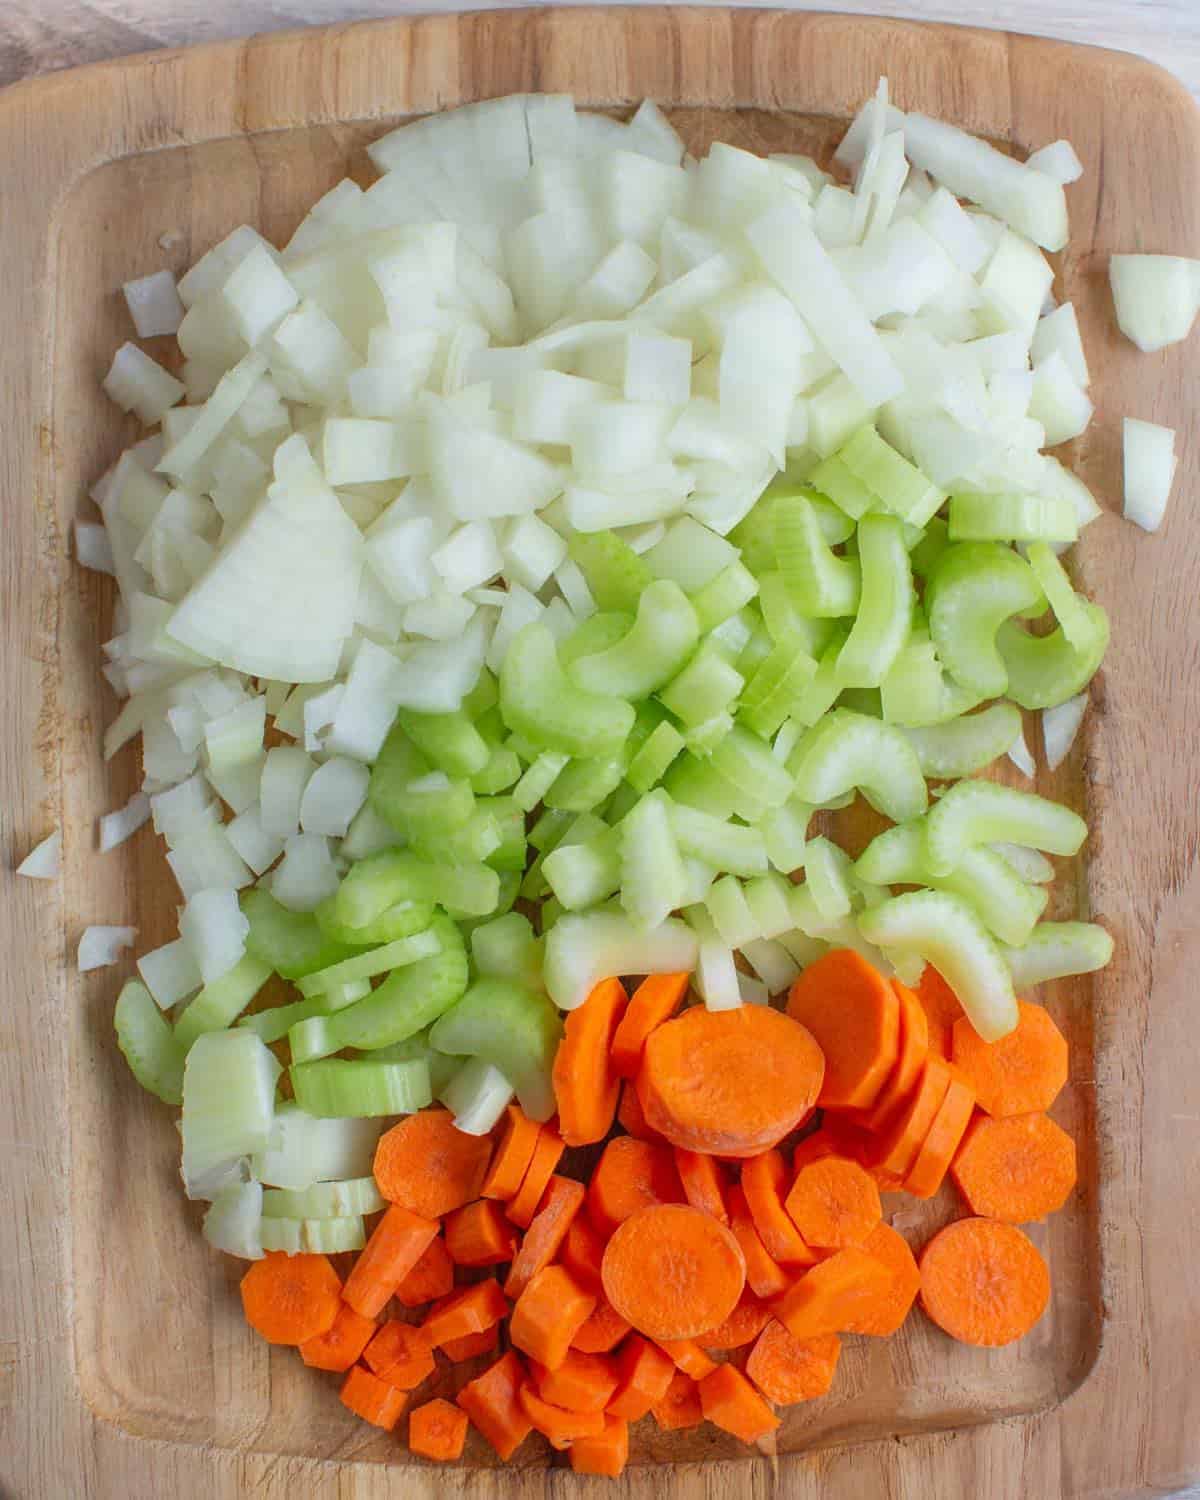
point(597, 633)
point(974, 588)
point(934, 540)
point(773, 964)
point(515, 1029)
point(335, 1088)
point(897, 484)
point(827, 873)
point(653, 879)
point(582, 874)
point(543, 772)
point(704, 738)
point(482, 698)
point(375, 961)
point(819, 582)
point(662, 637)
point(507, 824)
point(716, 976)
point(506, 948)
point(945, 932)
point(450, 742)
point(705, 687)
point(1056, 950)
point(503, 770)
point(302, 1150)
point(584, 784)
point(767, 896)
point(746, 762)
point(375, 885)
point(423, 806)
point(846, 750)
point(274, 1024)
point(292, 943)
point(1046, 670)
point(329, 1236)
point(911, 692)
point(477, 1095)
point(228, 1106)
point(821, 692)
point(786, 834)
point(1030, 864)
point(650, 764)
point(1012, 518)
point(478, 840)
point(775, 687)
point(844, 488)
point(584, 948)
point(549, 829)
point(966, 744)
point(539, 701)
point(220, 1003)
point(730, 913)
point(615, 574)
point(732, 589)
point(150, 1047)
point(232, 1223)
point(1070, 608)
point(785, 624)
point(399, 921)
point(311, 1038)
point(697, 783)
point(980, 812)
point(726, 846)
point(884, 615)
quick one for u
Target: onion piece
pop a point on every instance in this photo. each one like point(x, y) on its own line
point(1060, 725)
point(154, 304)
point(44, 860)
point(116, 827)
point(1150, 460)
point(101, 946)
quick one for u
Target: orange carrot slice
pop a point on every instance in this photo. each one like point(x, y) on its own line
point(742, 1326)
point(688, 1356)
point(787, 1369)
point(561, 1201)
point(512, 1156)
point(400, 1354)
point(680, 1406)
point(342, 1342)
point(582, 1251)
point(470, 1310)
point(559, 1423)
point(1016, 1168)
point(479, 1234)
point(914, 1047)
point(583, 1382)
point(854, 1014)
point(703, 1182)
point(899, 1144)
point(945, 1134)
point(1021, 1073)
point(631, 1119)
point(431, 1277)
point(548, 1314)
point(654, 1001)
point(397, 1242)
point(673, 1272)
point(493, 1403)
point(603, 1331)
point(730, 1402)
point(605, 1453)
point(437, 1430)
point(289, 1299)
point(833, 1295)
point(764, 1276)
point(546, 1154)
point(471, 1345)
point(644, 1373)
point(764, 1182)
point(585, 1085)
point(428, 1166)
point(983, 1282)
point(941, 1007)
point(834, 1203)
point(889, 1312)
point(373, 1399)
point(630, 1174)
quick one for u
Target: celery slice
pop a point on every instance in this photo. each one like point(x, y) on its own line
point(1056, 950)
point(509, 850)
point(746, 762)
point(767, 897)
point(786, 832)
point(726, 846)
point(232, 1223)
point(399, 921)
point(966, 744)
point(822, 690)
point(705, 687)
point(148, 1043)
point(482, 698)
point(820, 583)
point(580, 875)
point(506, 948)
point(981, 812)
point(662, 637)
point(652, 761)
point(1070, 608)
point(845, 751)
point(295, 1236)
point(885, 611)
point(584, 948)
point(730, 913)
point(1012, 518)
point(228, 1106)
point(911, 692)
point(303, 1150)
point(503, 770)
point(547, 832)
point(1044, 671)
point(543, 772)
point(421, 807)
point(773, 964)
point(478, 840)
point(511, 1027)
point(312, 1038)
point(615, 574)
point(376, 885)
point(584, 784)
point(697, 783)
point(448, 741)
point(653, 878)
point(935, 538)
point(1030, 864)
point(220, 1003)
point(539, 701)
point(705, 737)
point(898, 484)
point(335, 1088)
point(716, 976)
point(324, 1200)
point(274, 1024)
point(776, 686)
point(732, 589)
point(597, 633)
point(974, 588)
point(366, 965)
point(844, 488)
point(945, 932)
point(292, 943)
point(827, 873)
point(785, 624)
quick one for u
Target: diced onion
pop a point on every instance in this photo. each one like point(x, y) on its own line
point(101, 946)
point(1060, 725)
point(116, 827)
point(1149, 458)
point(43, 860)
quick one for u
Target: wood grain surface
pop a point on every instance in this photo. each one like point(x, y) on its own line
point(125, 1369)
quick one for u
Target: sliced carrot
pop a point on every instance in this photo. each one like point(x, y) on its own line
point(631, 1119)
point(341, 1343)
point(582, 1252)
point(834, 1203)
point(819, 1144)
point(983, 1282)
point(585, 1085)
point(428, 1166)
point(480, 1234)
point(742, 1326)
point(914, 1048)
point(400, 1353)
point(630, 1174)
point(900, 1142)
point(731, 1082)
point(603, 1331)
point(889, 1312)
point(397, 1242)
point(680, 1406)
point(372, 1399)
point(765, 1182)
point(512, 1156)
point(561, 1201)
point(654, 1001)
point(546, 1153)
point(471, 1310)
point(942, 1009)
point(583, 1382)
point(644, 1372)
point(289, 1299)
point(764, 1276)
point(1016, 1168)
point(730, 1402)
point(437, 1430)
point(854, 1014)
point(548, 1314)
point(493, 1403)
point(703, 1182)
point(688, 1357)
point(672, 1271)
point(1021, 1073)
point(787, 1369)
point(606, 1453)
point(834, 1294)
point(471, 1345)
point(430, 1278)
point(939, 1146)
point(559, 1423)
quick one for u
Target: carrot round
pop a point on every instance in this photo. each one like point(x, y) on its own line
point(680, 1406)
point(603, 1331)
point(942, 1009)
point(787, 1369)
point(654, 1001)
point(429, 1166)
point(582, 1251)
point(559, 1423)
point(630, 1175)
point(431, 1277)
point(472, 1309)
point(673, 1272)
point(741, 1327)
point(561, 1201)
point(890, 1310)
point(631, 1119)
point(607, 1452)
point(583, 1382)
point(397, 1242)
point(585, 1084)
point(1021, 1073)
point(289, 1299)
point(373, 1399)
point(437, 1430)
point(854, 1014)
point(546, 1153)
point(983, 1282)
point(910, 1058)
point(644, 1374)
point(1016, 1168)
point(730, 1402)
point(493, 1403)
point(548, 1314)
point(342, 1342)
point(899, 1144)
point(512, 1156)
point(688, 1357)
point(400, 1354)
point(479, 1234)
point(471, 1345)
point(945, 1134)
point(834, 1203)
point(703, 1182)
point(730, 1082)
point(834, 1294)
point(765, 1182)
point(764, 1276)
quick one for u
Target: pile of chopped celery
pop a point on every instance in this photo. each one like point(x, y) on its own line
point(551, 534)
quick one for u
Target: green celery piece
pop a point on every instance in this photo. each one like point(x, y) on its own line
point(663, 635)
point(944, 931)
point(865, 701)
point(974, 588)
point(509, 853)
point(398, 921)
point(695, 782)
point(482, 698)
point(1070, 608)
point(582, 874)
point(704, 738)
point(772, 692)
point(820, 583)
point(515, 1029)
point(911, 690)
point(148, 1043)
point(746, 762)
point(383, 881)
point(478, 839)
point(827, 873)
point(754, 534)
point(420, 807)
point(273, 1025)
point(544, 770)
point(982, 812)
point(366, 965)
point(229, 1082)
point(755, 650)
point(705, 687)
point(730, 591)
point(220, 1002)
point(293, 943)
point(730, 913)
point(786, 835)
point(725, 846)
point(336, 1088)
point(1046, 670)
point(506, 948)
point(935, 538)
point(898, 484)
point(312, 1038)
point(885, 611)
point(294, 1236)
point(597, 633)
point(821, 692)
point(616, 575)
point(844, 488)
point(324, 1200)
point(583, 948)
point(490, 722)
point(652, 761)
point(966, 744)
point(785, 623)
point(1030, 864)
point(502, 771)
point(654, 881)
point(844, 751)
point(1012, 518)
point(539, 701)
point(442, 1068)
point(449, 741)
point(1056, 950)
point(767, 898)
point(584, 784)
point(549, 829)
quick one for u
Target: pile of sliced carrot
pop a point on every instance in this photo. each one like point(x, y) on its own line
point(721, 1246)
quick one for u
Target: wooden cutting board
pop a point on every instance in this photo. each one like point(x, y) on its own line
point(125, 1369)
